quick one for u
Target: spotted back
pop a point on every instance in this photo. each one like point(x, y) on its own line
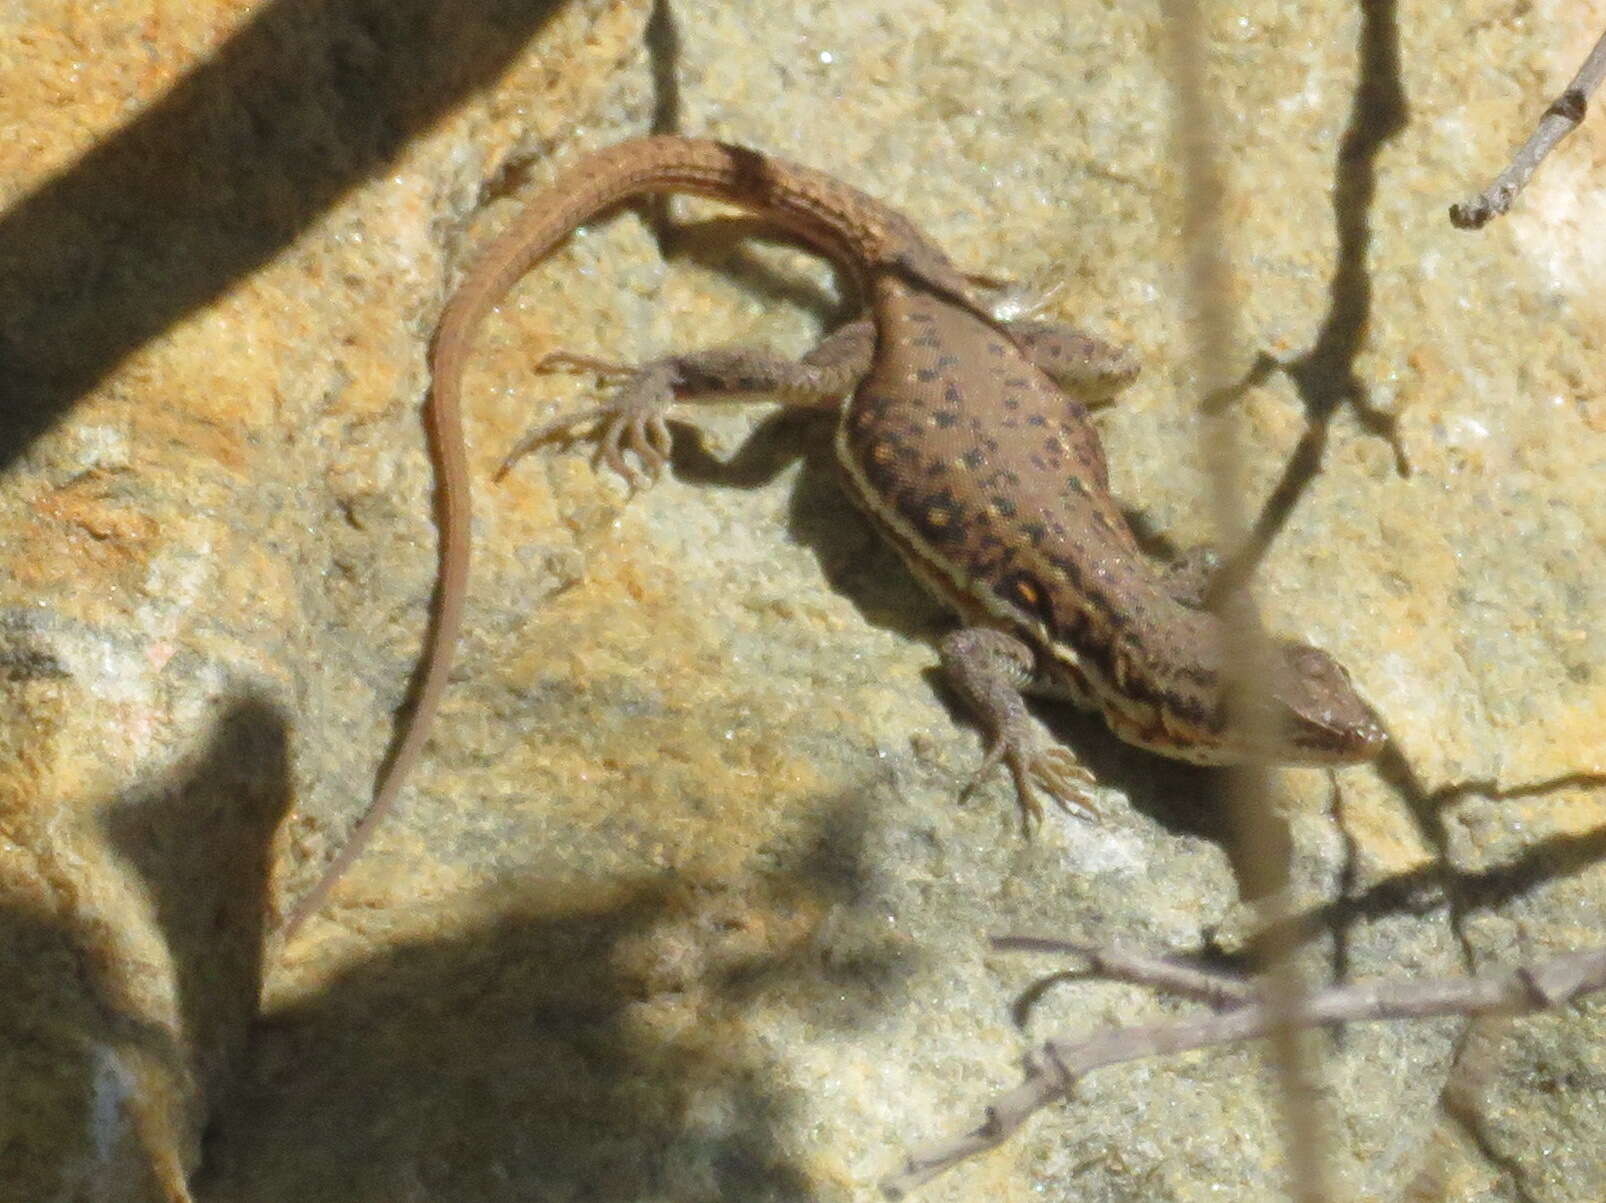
point(981, 470)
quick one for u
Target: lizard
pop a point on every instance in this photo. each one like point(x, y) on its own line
point(955, 438)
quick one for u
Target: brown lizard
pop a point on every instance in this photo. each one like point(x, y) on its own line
point(964, 453)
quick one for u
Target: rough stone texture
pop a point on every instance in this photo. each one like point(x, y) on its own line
point(681, 905)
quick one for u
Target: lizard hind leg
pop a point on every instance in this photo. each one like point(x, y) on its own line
point(1092, 369)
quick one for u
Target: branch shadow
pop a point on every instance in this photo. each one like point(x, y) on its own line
point(1419, 892)
point(1436, 885)
point(1325, 375)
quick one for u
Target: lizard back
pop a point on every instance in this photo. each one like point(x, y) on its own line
point(991, 482)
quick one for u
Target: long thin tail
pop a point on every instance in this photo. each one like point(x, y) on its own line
point(849, 226)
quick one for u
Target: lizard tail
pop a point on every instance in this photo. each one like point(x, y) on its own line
point(851, 227)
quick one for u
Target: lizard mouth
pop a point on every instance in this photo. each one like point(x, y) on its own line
point(1346, 739)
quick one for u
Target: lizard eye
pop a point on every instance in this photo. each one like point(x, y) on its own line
point(1313, 665)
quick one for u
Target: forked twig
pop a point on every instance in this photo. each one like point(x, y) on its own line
point(1054, 1066)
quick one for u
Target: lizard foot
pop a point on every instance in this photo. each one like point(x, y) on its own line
point(988, 668)
point(1067, 780)
point(632, 421)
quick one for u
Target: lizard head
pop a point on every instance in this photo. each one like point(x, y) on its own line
point(1320, 718)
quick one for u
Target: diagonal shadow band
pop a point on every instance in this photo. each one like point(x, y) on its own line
point(302, 104)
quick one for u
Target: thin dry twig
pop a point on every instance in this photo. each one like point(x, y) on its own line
point(1560, 119)
point(1053, 1068)
point(1247, 651)
point(1218, 990)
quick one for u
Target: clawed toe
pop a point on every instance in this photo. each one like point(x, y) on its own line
point(547, 432)
point(1068, 782)
point(1053, 769)
point(996, 753)
point(632, 422)
point(583, 363)
point(644, 434)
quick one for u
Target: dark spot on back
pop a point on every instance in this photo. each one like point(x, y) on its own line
point(1071, 569)
point(938, 516)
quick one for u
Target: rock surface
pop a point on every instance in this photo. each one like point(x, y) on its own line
point(680, 904)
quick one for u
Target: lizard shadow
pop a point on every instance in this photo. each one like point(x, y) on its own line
point(860, 565)
point(732, 246)
point(854, 559)
point(561, 1048)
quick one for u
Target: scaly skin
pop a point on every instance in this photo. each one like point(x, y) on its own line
point(987, 477)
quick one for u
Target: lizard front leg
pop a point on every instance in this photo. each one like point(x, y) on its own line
point(1191, 576)
point(989, 669)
